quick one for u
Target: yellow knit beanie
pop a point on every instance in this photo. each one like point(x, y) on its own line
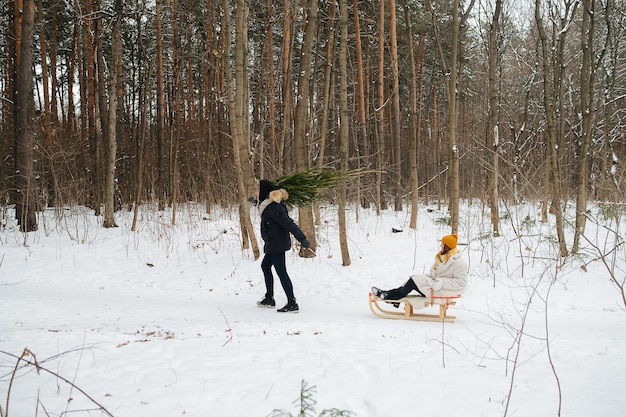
point(450, 240)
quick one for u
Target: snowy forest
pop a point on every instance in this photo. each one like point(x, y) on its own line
point(134, 133)
point(111, 104)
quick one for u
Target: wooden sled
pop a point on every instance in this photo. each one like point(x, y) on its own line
point(412, 303)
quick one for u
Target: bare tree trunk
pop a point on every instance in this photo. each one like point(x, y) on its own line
point(363, 141)
point(74, 58)
point(412, 119)
point(54, 82)
point(237, 106)
point(175, 104)
point(420, 107)
point(287, 97)
point(161, 180)
point(305, 214)
point(552, 101)
point(207, 119)
point(24, 131)
point(343, 128)
point(328, 93)
point(44, 75)
point(452, 72)
point(111, 147)
point(435, 140)
point(380, 112)
point(48, 182)
point(143, 123)
point(587, 112)
point(102, 113)
point(92, 118)
point(242, 100)
point(546, 188)
point(182, 126)
point(395, 107)
point(492, 125)
point(271, 102)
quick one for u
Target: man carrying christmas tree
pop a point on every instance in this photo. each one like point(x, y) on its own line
point(301, 188)
point(276, 226)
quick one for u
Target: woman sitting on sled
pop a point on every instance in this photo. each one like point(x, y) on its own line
point(448, 274)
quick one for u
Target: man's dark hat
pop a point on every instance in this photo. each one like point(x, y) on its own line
point(265, 187)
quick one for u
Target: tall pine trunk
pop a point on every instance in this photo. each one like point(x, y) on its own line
point(380, 111)
point(237, 105)
point(111, 145)
point(452, 95)
point(363, 141)
point(305, 214)
point(25, 204)
point(161, 174)
point(327, 94)
point(287, 93)
point(412, 119)
point(343, 128)
point(143, 123)
point(452, 72)
point(395, 107)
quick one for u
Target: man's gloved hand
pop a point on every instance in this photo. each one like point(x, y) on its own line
point(306, 244)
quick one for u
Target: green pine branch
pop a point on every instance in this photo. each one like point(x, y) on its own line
point(304, 187)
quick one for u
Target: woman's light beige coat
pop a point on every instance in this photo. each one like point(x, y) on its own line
point(446, 278)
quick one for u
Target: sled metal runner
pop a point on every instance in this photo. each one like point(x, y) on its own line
point(412, 303)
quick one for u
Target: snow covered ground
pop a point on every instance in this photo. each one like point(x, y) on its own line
point(164, 322)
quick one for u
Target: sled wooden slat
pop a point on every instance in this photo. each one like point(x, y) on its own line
point(412, 303)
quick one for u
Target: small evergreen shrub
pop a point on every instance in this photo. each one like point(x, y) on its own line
point(306, 404)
